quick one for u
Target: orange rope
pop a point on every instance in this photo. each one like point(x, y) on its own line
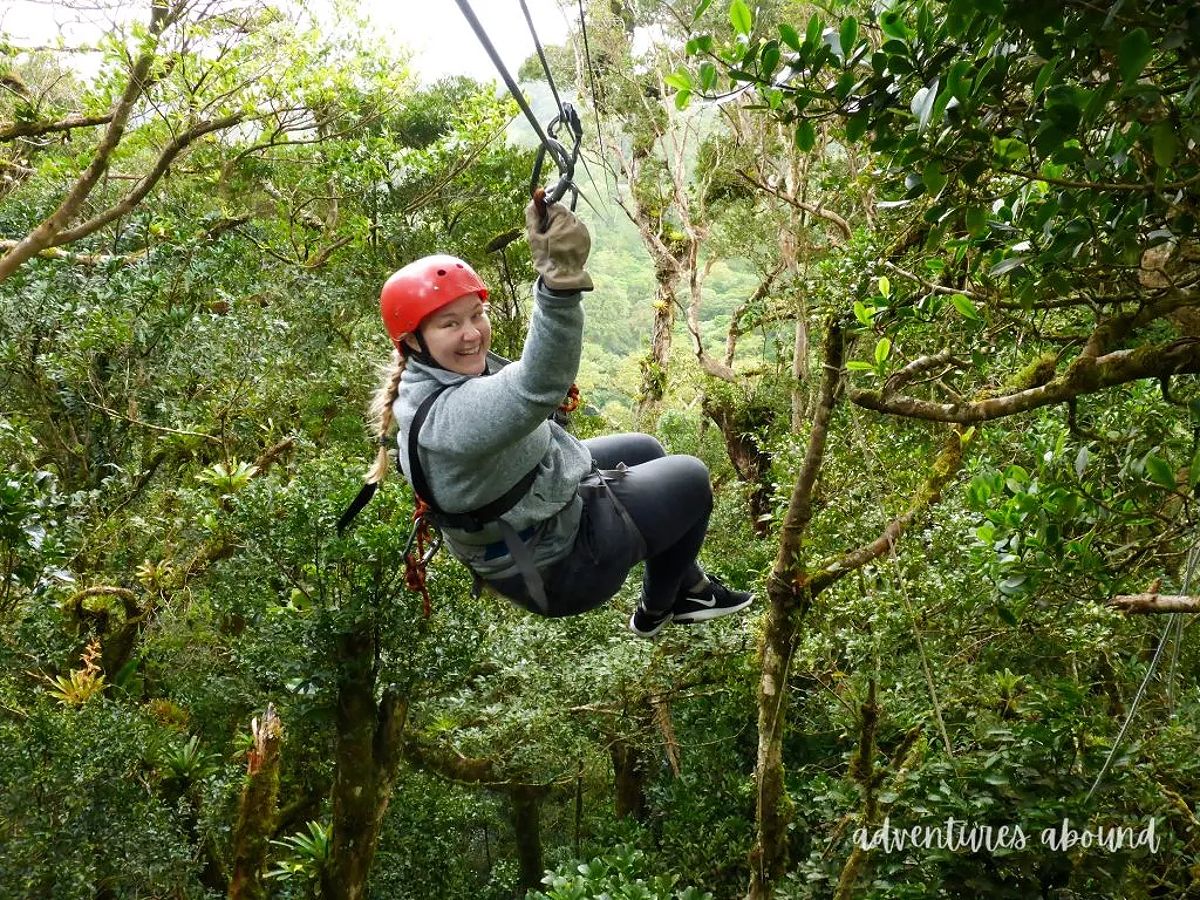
point(415, 573)
point(571, 403)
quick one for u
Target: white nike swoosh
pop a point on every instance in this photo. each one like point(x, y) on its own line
point(710, 602)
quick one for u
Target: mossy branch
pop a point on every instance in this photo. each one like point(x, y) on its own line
point(943, 471)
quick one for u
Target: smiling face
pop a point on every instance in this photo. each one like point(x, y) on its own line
point(458, 335)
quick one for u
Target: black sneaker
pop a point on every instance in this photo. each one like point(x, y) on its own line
point(712, 602)
point(647, 624)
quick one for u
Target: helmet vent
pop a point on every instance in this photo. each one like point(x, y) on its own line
point(441, 271)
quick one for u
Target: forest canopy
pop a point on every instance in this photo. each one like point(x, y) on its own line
point(918, 281)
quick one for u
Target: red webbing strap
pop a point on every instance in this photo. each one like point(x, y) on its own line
point(416, 561)
point(571, 403)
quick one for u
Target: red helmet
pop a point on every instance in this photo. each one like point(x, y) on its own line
point(423, 287)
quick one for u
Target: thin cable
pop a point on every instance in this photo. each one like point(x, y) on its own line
point(1189, 568)
point(542, 56)
point(1193, 555)
point(587, 56)
point(1137, 698)
point(513, 89)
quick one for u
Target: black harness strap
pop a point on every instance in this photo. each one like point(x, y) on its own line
point(476, 519)
point(468, 521)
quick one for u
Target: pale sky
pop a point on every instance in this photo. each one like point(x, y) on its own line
point(442, 41)
point(445, 44)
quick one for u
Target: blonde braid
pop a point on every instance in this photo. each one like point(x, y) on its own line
point(381, 417)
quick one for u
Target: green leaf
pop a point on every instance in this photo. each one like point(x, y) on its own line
point(866, 316)
point(682, 99)
point(1165, 143)
point(933, 177)
point(882, 349)
point(893, 26)
point(856, 125)
point(972, 169)
point(965, 307)
point(1160, 471)
point(1043, 76)
point(740, 17)
point(885, 286)
point(769, 59)
point(922, 104)
point(1012, 584)
point(1133, 53)
point(1081, 461)
point(848, 36)
point(790, 36)
point(857, 365)
point(812, 34)
point(701, 8)
point(680, 79)
point(708, 76)
point(976, 219)
point(806, 136)
point(1007, 265)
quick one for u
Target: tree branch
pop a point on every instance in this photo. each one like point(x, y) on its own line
point(944, 469)
point(35, 129)
point(1150, 604)
point(821, 212)
point(151, 178)
point(799, 513)
point(43, 235)
point(1086, 375)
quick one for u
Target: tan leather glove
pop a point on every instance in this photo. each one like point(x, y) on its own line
point(561, 251)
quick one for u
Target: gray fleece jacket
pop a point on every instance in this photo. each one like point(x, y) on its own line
point(485, 433)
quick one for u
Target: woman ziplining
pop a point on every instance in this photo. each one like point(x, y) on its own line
point(549, 521)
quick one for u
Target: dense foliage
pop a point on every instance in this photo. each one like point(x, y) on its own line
point(918, 282)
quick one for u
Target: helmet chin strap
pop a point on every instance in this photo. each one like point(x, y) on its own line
point(423, 355)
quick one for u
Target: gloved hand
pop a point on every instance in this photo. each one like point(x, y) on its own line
point(561, 251)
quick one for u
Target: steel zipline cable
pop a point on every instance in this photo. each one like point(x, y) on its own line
point(566, 114)
point(513, 89)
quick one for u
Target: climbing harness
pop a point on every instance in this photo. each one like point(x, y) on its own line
point(567, 116)
point(428, 519)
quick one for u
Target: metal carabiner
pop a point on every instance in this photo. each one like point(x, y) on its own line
point(562, 159)
point(434, 546)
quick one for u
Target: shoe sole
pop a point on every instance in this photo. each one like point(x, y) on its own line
point(649, 634)
point(704, 615)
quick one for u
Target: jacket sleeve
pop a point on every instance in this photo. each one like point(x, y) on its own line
point(486, 414)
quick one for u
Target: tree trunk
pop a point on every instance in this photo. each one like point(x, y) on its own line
point(789, 595)
point(750, 461)
point(768, 857)
point(629, 778)
point(366, 754)
point(258, 811)
point(526, 820)
point(657, 361)
point(800, 369)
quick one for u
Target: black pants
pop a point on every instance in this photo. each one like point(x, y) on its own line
point(668, 498)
